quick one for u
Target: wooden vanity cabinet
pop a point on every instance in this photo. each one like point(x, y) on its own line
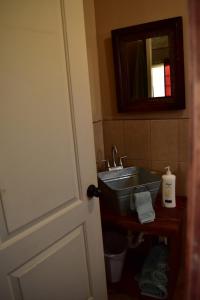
point(169, 222)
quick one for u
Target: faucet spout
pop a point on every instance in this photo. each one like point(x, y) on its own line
point(116, 166)
point(114, 154)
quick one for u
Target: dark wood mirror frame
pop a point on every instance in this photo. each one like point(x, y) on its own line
point(120, 37)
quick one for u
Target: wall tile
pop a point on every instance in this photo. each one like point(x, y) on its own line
point(159, 166)
point(137, 163)
point(113, 135)
point(164, 140)
point(137, 139)
point(99, 144)
point(183, 140)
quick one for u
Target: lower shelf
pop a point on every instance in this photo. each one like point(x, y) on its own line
point(128, 284)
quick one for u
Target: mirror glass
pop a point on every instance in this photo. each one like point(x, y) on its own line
point(149, 69)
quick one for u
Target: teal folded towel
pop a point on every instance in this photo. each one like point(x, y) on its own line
point(142, 202)
point(153, 278)
point(154, 290)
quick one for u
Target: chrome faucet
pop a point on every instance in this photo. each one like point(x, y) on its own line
point(114, 154)
point(114, 157)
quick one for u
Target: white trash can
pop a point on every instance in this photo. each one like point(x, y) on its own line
point(115, 248)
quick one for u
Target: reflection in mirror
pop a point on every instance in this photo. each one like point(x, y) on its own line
point(149, 66)
point(158, 62)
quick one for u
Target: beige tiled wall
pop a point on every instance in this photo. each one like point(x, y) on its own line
point(152, 144)
point(99, 143)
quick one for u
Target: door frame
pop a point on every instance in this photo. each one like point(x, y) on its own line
point(192, 255)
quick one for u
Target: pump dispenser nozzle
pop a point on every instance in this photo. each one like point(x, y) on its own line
point(168, 170)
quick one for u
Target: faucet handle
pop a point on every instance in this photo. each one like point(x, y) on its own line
point(120, 160)
point(107, 163)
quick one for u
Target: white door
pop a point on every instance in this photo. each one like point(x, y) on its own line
point(51, 244)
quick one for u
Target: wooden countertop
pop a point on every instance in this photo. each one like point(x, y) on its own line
point(167, 222)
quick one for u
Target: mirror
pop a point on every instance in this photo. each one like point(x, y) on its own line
point(149, 68)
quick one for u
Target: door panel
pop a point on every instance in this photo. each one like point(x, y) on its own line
point(51, 243)
point(37, 156)
point(36, 279)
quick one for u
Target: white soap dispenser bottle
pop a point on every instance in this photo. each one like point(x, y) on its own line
point(168, 189)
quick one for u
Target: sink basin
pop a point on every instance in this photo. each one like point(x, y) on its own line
point(118, 187)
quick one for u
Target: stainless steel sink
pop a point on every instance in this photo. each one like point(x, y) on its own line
point(119, 186)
